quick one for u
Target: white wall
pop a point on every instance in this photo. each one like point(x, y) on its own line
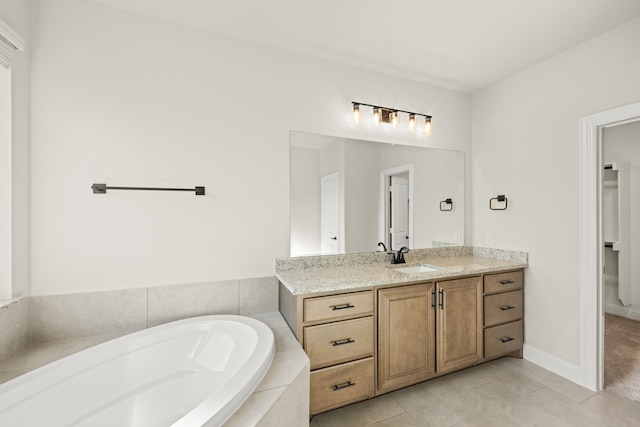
point(362, 175)
point(525, 145)
point(15, 13)
point(304, 189)
point(622, 143)
point(123, 99)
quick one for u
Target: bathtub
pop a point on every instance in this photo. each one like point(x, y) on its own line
point(192, 372)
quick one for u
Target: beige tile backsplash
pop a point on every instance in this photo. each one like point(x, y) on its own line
point(58, 317)
point(14, 330)
point(169, 303)
point(259, 295)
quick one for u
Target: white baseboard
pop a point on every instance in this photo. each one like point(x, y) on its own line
point(553, 363)
point(629, 312)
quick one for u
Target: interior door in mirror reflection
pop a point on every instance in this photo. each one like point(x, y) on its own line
point(330, 213)
point(399, 212)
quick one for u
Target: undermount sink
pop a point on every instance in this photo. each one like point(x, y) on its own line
point(422, 268)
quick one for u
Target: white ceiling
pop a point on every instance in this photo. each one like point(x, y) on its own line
point(459, 44)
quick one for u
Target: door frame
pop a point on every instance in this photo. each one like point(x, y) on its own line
point(382, 206)
point(591, 240)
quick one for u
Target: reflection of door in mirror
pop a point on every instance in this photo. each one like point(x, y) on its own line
point(396, 207)
point(399, 211)
point(330, 213)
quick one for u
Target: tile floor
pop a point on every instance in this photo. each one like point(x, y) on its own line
point(505, 392)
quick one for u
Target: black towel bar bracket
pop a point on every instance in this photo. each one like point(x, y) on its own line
point(102, 189)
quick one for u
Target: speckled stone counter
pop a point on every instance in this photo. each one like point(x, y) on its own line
point(331, 273)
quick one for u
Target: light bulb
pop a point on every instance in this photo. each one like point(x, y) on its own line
point(412, 122)
point(377, 113)
point(357, 114)
point(395, 119)
point(428, 127)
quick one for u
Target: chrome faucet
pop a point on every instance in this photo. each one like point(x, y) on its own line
point(399, 258)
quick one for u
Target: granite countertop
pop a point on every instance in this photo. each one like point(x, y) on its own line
point(313, 275)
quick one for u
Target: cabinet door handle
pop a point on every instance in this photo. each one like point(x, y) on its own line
point(342, 306)
point(507, 307)
point(433, 298)
point(441, 292)
point(341, 386)
point(507, 339)
point(507, 282)
point(342, 342)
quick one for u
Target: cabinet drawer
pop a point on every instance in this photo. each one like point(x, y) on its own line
point(341, 385)
point(503, 282)
point(339, 342)
point(503, 339)
point(503, 308)
point(338, 306)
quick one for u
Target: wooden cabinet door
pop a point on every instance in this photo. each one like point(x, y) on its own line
point(406, 336)
point(459, 323)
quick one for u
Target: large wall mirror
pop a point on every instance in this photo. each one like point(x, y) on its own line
point(346, 195)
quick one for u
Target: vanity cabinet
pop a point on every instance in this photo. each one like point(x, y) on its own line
point(459, 323)
point(406, 336)
point(503, 314)
point(428, 329)
point(371, 341)
point(338, 336)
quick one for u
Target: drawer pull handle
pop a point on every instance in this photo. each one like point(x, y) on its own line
point(507, 307)
point(342, 306)
point(507, 282)
point(341, 386)
point(342, 342)
point(507, 339)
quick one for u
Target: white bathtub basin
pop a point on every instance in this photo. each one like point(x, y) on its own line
point(192, 372)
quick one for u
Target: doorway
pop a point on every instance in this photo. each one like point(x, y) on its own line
point(621, 275)
point(592, 241)
point(396, 207)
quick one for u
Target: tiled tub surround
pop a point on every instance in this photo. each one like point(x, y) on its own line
point(38, 330)
point(14, 330)
point(322, 274)
point(282, 398)
point(59, 317)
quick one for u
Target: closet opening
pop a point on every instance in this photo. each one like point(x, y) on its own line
point(620, 206)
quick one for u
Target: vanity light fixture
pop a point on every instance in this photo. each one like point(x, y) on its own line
point(377, 116)
point(395, 119)
point(428, 126)
point(357, 114)
point(412, 122)
point(391, 116)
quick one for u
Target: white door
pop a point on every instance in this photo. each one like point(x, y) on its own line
point(399, 212)
point(330, 213)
